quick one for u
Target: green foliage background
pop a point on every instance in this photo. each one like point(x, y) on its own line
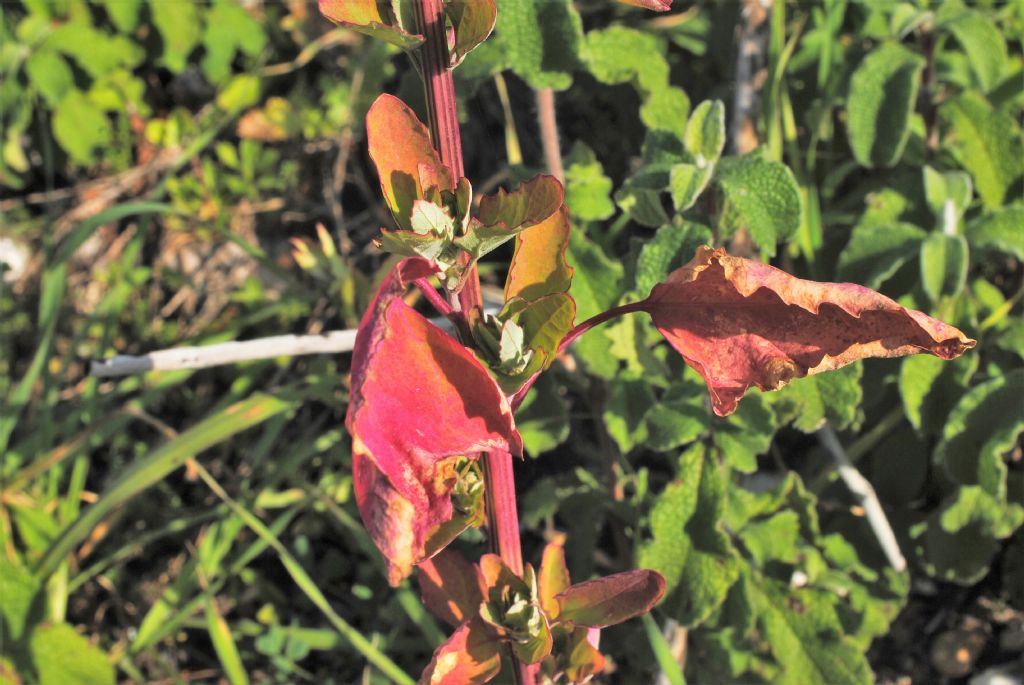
point(158, 157)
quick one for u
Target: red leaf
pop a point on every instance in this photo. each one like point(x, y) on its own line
point(471, 655)
point(406, 161)
point(419, 401)
point(612, 599)
point(739, 322)
point(451, 587)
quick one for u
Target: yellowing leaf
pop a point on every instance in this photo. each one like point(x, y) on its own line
point(406, 160)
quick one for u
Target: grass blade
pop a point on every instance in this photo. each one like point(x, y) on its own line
point(670, 670)
point(309, 587)
point(162, 461)
point(224, 645)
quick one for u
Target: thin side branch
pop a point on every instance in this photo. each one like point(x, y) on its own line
point(866, 496)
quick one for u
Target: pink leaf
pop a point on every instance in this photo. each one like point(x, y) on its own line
point(739, 323)
point(470, 656)
point(612, 599)
point(451, 587)
point(419, 402)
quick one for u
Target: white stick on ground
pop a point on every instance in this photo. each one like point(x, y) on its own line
point(225, 353)
point(331, 342)
point(865, 494)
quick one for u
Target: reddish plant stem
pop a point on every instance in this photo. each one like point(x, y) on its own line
point(503, 519)
point(443, 117)
point(548, 122)
point(435, 300)
point(576, 332)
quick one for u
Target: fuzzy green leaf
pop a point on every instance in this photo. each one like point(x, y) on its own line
point(180, 27)
point(63, 657)
point(883, 90)
point(687, 182)
point(876, 252)
point(812, 400)
point(986, 141)
point(980, 430)
point(670, 248)
point(688, 546)
point(542, 40)
point(944, 261)
point(764, 197)
point(982, 42)
point(587, 189)
point(805, 635)
point(81, 127)
point(1002, 231)
point(705, 132)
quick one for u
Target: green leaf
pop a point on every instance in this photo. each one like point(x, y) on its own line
point(918, 374)
point(980, 430)
point(958, 541)
point(96, 52)
point(943, 187)
point(241, 92)
point(1002, 231)
point(157, 464)
point(745, 434)
point(543, 420)
point(811, 401)
point(63, 657)
point(628, 402)
point(986, 141)
point(876, 252)
point(124, 13)
point(21, 607)
point(542, 40)
point(687, 182)
point(764, 197)
point(544, 323)
point(50, 75)
point(883, 90)
point(665, 109)
point(671, 425)
point(688, 545)
point(983, 43)
point(623, 55)
point(705, 132)
point(944, 262)
point(773, 538)
point(671, 247)
point(81, 127)
point(180, 28)
point(804, 634)
point(229, 30)
point(597, 280)
point(587, 189)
